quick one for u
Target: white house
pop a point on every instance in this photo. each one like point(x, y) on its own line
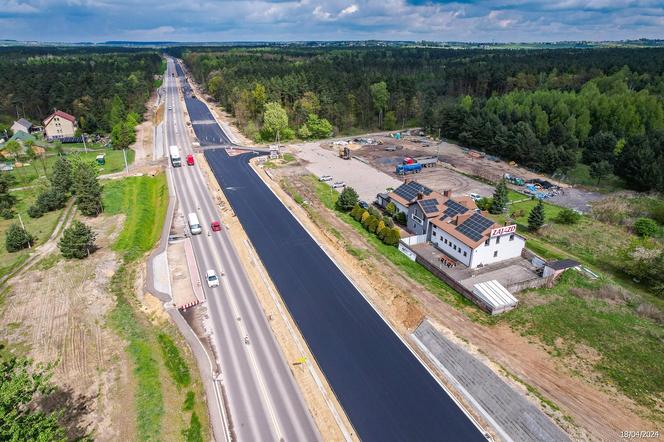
point(456, 226)
point(22, 125)
point(60, 125)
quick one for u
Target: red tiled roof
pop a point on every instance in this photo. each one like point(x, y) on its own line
point(60, 114)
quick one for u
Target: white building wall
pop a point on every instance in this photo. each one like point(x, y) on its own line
point(59, 127)
point(506, 249)
point(439, 236)
point(400, 207)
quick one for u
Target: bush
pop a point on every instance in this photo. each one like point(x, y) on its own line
point(568, 216)
point(347, 199)
point(355, 211)
point(383, 233)
point(365, 215)
point(368, 220)
point(17, 238)
point(391, 209)
point(484, 203)
point(392, 237)
point(372, 225)
point(401, 218)
point(646, 227)
point(374, 212)
point(7, 213)
point(35, 211)
point(388, 221)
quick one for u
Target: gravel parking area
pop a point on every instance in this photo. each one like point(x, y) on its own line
point(365, 179)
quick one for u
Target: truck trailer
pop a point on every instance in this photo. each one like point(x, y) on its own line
point(403, 169)
point(176, 160)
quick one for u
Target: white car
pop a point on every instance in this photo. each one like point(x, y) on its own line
point(475, 196)
point(212, 278)
point(325, 178)
point(338, 184)
point(170, 108)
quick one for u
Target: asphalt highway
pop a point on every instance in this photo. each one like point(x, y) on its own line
point(387, 393)
point(263, 400)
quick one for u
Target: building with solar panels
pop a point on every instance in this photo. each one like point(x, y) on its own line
point(455, 226)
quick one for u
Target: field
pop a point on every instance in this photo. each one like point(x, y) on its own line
point(114, 163)
point(41, 228)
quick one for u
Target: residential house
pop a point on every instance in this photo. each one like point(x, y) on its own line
point(22, 125)
point(60, 125)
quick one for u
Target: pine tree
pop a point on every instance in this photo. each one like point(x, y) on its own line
point(536, 217)
point(61, 177)
point(347, 199)
point(17, 238)
point(500, 198)
point(77, 241)
point(87, 188)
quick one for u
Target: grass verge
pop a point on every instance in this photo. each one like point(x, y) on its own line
point(144, 200)
point(157, 359)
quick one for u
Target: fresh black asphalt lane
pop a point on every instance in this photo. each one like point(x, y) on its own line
point(386, 392)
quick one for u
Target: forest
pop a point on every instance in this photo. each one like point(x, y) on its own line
point(93, 84)
point(546, 109)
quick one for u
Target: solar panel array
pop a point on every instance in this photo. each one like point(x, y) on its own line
point(409, 191)
point(64, 140)
point(474, 226)
point(453, 209)
point(429, 206)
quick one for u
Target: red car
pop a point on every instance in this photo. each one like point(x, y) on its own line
point(216, 226)
point(190, 160)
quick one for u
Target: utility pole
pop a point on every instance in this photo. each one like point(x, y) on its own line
point(23, 227)
point(85, 145)
point(440, 140)
point(124, 154)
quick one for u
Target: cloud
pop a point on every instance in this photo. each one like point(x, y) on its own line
point(262, 20)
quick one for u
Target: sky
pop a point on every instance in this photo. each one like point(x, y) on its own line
point(285, 20)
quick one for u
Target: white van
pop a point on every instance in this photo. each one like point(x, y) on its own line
point(194, 224)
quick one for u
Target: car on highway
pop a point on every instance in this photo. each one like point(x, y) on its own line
point(170, 108)
point(325, 178)
point(194, 224)
point(215, 226)
point(212, 278)
point(338, 184)
point(190, 160)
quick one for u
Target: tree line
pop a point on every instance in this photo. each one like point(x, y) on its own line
point(547, 109)
point(83, 82)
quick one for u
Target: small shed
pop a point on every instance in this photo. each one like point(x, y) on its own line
point(494, 297)
point(555, 268)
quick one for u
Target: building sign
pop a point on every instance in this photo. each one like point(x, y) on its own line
point(503, 230)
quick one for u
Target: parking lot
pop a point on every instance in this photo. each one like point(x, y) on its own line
point(366, 180)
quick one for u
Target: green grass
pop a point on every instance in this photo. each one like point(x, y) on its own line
point(189, 401)
point(144, 200)
point(41, 228)
point(328, 196)
point(630, 347)
point(193, 433)
point(141, 349)
point(114, 163)
point(174, 362)
point(48, 261)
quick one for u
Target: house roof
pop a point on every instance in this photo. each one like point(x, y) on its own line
point(406, 194)
point(60, 114)
point(23, 122)
point(22, 136)
point(562, 264)
point(494, 295)
point(471, 227)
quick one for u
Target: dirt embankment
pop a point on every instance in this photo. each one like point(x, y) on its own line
point(588, 410)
